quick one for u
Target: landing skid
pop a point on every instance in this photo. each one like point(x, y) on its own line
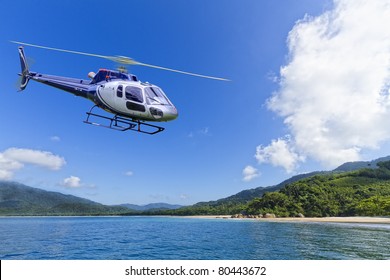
point(123, 123)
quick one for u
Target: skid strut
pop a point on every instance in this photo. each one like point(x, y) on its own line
point(123, 124)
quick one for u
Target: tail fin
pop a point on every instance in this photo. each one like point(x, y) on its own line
point(25, 77)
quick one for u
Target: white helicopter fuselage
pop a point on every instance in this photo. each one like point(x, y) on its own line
point(135, 99)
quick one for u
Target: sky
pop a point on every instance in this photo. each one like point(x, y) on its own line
point(309, 91)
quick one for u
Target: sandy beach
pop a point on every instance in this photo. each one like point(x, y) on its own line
point(365, 220)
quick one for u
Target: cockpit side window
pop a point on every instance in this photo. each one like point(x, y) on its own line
point(119, 91)
point(134, 94)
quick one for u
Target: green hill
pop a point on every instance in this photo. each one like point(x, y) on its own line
point(344, 191)
point(18, 199)
point(365, 192)
point(355, 165)
point(237, 201)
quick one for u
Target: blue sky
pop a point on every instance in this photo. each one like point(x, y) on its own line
point(309, 91)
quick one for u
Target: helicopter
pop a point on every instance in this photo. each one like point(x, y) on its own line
point(132, 103)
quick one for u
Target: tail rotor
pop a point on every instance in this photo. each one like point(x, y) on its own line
point(25, 74)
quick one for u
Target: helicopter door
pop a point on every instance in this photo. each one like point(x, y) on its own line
point(134, 99)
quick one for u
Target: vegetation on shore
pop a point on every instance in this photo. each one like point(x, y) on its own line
point(364, 192)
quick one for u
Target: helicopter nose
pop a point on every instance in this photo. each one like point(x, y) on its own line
point(171, 113)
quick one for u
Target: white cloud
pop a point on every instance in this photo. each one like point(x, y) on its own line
point(72, 182)
point(249, 173)
point(8, 166)
point(129, 173)
point(279, 153)
point(14, 159)
point(55, 138)
point(334, 91)
point(41, 158)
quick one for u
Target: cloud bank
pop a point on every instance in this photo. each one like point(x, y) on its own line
point(334, 92)
point(14, 159)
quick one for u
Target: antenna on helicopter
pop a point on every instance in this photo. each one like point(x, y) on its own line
point(123, 60)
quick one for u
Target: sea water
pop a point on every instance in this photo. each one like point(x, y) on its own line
point(155, 238)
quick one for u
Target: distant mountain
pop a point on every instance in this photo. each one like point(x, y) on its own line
point(351, 166)
point(19, 199)
point(151, 206)
point(247, 195)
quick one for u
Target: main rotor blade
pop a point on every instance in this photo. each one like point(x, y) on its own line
point(118, 59)
point(179, 71)
point(60, 50)
point(122, 60)
point(127, 60)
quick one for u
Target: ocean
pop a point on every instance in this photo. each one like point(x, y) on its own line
point(171, 238)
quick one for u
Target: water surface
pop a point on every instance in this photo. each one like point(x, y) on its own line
point(187, 238)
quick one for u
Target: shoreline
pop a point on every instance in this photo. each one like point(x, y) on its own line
point(359, 220)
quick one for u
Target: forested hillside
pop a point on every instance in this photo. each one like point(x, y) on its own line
point(364, 192)
point(18, 199)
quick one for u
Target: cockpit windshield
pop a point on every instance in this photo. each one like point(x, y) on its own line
point(155, 96)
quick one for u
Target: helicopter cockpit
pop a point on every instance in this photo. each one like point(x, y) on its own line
point(155, 96)
point(107, 75)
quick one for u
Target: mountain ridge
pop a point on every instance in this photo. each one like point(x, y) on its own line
point(354, 165)
point(247, 195)
point(19, 199)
